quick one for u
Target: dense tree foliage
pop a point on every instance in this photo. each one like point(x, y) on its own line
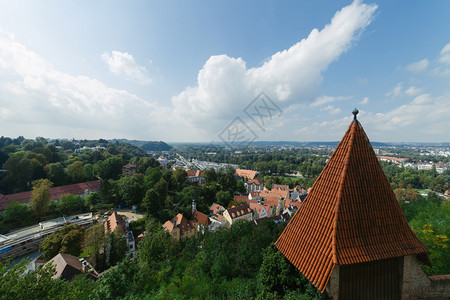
point(68, 239)
point(40, 199)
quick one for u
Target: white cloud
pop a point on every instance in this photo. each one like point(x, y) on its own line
point(445, 54)
point(413, 91)
point(419, 66)
point(399, 91)
point(332, 109)
point(395, 92)
point(225, 86)
point(38, 98)
point(418, 120)
point(364, 101)
point(124, 64)
point(35, 96)
point(326, 99)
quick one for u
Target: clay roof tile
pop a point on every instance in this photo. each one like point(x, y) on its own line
point(350, 215)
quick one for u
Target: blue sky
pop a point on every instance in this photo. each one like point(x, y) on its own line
point(185, 70)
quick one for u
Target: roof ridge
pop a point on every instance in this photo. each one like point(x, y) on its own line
point(351, 128)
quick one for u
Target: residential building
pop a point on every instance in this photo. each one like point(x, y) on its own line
point(254, 185)
point(254, 196)
point(363, 247)
point(81, 189)
point(215, 209)
point(129, 170)
point(67, 266)
point(117, 221)
point(241, 174)
point(236, 213)
point(180, 227)
point(195, 176)
point(260, 211)
point(281, 187)
point(200, 221)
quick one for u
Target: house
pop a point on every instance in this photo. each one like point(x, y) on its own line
point(236, 213)
point(81, 189)
point(277, 219)
point(215, 209)
point(241, 174)
point(292, 205)
point(180, 227)
point(275, 198)
point(260, 210)
point(350, 237)
point(195, 176)
point(281, 187)
point(116, 221)
point(217, 220)
point(67, 266)
point(240, 198)
point(129, 170)
point(200, 221)
point(254, 185)
point(254, 196)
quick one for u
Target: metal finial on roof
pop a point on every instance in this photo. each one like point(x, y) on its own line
point(355, 112)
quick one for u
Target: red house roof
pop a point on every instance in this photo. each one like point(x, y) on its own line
point(55, 192)
point(351, 215)
point(249, 174)
point(115, 221)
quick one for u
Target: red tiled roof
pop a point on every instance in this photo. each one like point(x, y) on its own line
point(55, 192)
point(201, 218)
point(256, 181)
point(216, 208)
point(115, 221)
point(194, 173)
point(351, 215)
point(249, 174)
point(180, 222)
point(238, 211)
point(257, 207)
point(274, 195)
point(282, 187)
point(240, 198)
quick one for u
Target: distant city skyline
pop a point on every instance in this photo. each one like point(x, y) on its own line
point(195, 71)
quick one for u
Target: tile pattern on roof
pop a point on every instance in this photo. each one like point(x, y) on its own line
point(201, 218)
point(249, 174)
point(238, 211)
point(350, 216)
point(115, 220)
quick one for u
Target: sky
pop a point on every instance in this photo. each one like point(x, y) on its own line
point(212, 71)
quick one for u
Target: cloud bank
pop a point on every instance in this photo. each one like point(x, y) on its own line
point(124, 64)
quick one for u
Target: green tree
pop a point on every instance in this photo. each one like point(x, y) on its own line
point(152, 202)
point(17, 215)
point(57, 174)
point(95, 246)
point(223, 198)
point(70, 204)
point(40, 199)
point(75, 171)
point(277, 276)
point(118, 246)
point(68, 239)
point(130, 189)
point(111, 168)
